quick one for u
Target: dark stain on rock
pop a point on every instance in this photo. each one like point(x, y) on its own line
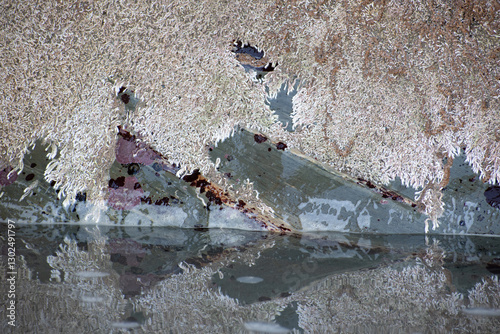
point(125, 98)
point(281, 146)
point(137, 185)
point(30, 177)
point(202, 184)
point(370, 185)
point(212, 197)
point(241, 203)
point(33, 165)
point(162, 201)
point(117, 183)
point(492, 195)
point(81, 197)
point(259, 138)
point(386, 193)
point(133, 168)
point(193, 177)
point(197, 180)
point(146, 200)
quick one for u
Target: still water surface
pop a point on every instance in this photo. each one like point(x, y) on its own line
point(154, 279)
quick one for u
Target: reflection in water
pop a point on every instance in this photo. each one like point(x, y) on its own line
point(157, 280)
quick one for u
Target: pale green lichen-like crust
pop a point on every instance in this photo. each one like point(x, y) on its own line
point(386, 89)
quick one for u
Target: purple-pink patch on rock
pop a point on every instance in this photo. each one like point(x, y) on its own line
point(130, 150)
point(127, 196)
point(5, 178)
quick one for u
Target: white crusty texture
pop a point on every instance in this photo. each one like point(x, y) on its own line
point(387, 89)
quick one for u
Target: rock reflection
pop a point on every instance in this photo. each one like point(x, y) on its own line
point(346, 283)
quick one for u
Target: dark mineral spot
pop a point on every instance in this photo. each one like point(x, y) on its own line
point(33, 165)
point(133, 168)
point(146, 200)
point(462, 223)
point(122, 89)
point(213, 198)
point(81, 197)
point(137, 185)
point(162, 201)
point(52, 183)
point(397, 198)
point(269, 149)
point(492, 195)
point(259, 138)
point(241, 203)
point(281, 146)
point(30, 177)
point(264, 299)
point(193, 177)
point(201, 184)
point(117, 183)
point(125, 98)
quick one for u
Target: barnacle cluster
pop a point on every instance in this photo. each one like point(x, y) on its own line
point(386, 89)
